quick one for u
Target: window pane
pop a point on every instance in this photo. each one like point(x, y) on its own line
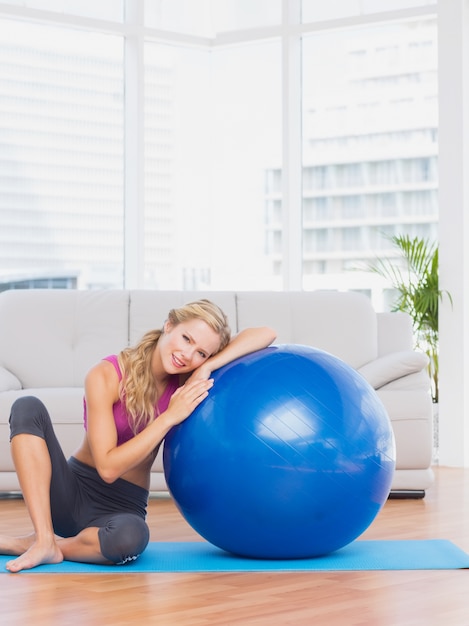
point(247, 144)
point(229, 15)
point(314, 11)
point(190, 17)
point(212, 130)
point(207, 18)
point(177, 165)
point(104, 9)
point(369, 144)
point(61, 154)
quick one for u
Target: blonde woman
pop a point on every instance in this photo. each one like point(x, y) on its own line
point(92, 507)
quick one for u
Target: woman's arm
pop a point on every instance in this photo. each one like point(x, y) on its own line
point(102, 391)
point(245, 342)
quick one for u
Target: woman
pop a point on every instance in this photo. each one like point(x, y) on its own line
point(92, 508)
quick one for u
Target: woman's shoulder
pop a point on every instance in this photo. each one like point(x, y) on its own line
point(105, 372)
point(114, 361)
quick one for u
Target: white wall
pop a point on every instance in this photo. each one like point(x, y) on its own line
point(454, 230)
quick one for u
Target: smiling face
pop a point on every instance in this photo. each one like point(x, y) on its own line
point(184, 347)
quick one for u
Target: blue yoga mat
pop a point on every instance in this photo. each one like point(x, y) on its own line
point(432, 554)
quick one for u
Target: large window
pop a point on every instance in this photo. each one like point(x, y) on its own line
point(61, 155)
point(370, 122)
point(212, 121)
point(163, 136)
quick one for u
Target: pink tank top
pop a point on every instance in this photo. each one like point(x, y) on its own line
point(121, 417)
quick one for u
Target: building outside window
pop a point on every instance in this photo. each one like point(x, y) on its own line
point(369, 145)
point(206, 205)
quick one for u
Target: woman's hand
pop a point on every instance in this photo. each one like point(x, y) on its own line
point(186, 398)
point(203, 372)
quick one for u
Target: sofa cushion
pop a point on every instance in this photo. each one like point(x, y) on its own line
point(343, 324)
point(395, 333)
point(149, 309)
point(51, 337)
point(65, 406)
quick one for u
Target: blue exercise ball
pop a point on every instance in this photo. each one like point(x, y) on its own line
point(291, 456)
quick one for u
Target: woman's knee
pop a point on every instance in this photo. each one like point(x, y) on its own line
point(123, 538)
point(28, 415)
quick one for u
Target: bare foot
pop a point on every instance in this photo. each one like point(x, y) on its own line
point(36, 554)
point(15, 546)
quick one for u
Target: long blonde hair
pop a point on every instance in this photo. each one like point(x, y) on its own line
point(137, 388)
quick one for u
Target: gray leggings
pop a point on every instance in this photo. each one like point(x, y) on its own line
point(80, 498)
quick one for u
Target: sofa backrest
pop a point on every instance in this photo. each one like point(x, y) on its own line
point(148, 309)
point(342, 323)
point(51, 337)
point(395, 333)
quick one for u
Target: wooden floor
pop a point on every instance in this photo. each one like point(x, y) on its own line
point(391, 598)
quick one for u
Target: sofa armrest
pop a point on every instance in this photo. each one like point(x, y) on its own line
point(412, 382)
point(8, 381)
point(385, 369)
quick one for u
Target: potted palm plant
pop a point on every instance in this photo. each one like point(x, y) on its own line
point(415, 280)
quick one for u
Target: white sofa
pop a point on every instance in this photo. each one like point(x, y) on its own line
point(50, 338)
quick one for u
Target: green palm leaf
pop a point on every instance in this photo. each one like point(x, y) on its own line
point(415, 280)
